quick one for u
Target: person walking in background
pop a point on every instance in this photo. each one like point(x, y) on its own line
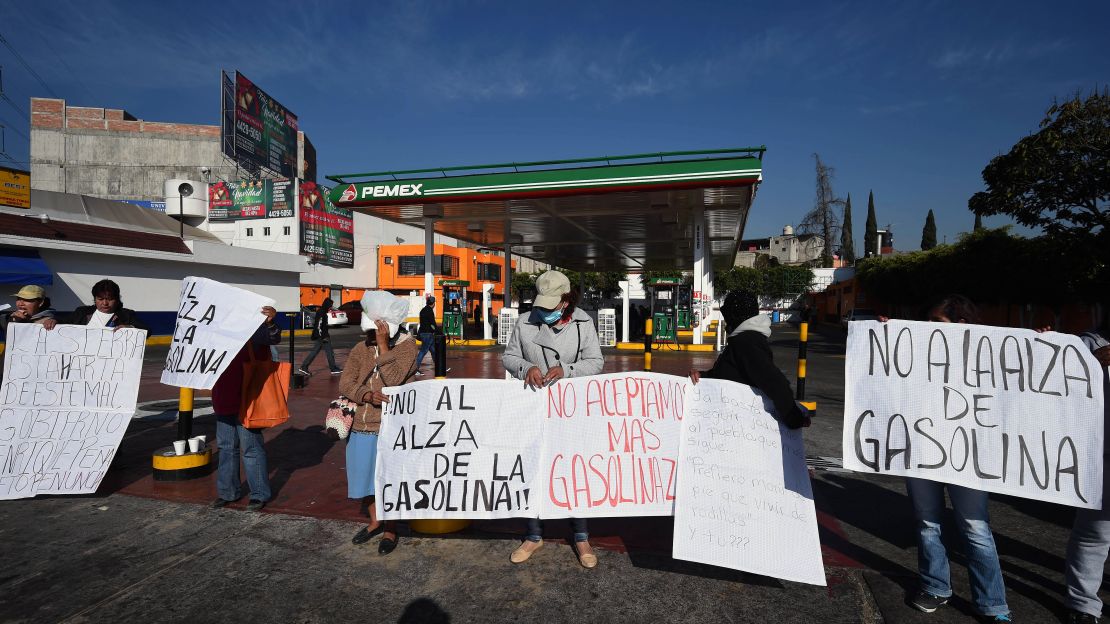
point(1090, 535)
point(384, 359)
point(321, 339)
point(747, 358)
point(426, 332)
point(231, 435)
point(988, 593)
point(555, 340)
point(31, 306)
point(107, 309)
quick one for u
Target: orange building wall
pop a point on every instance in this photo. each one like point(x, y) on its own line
point(468, 271)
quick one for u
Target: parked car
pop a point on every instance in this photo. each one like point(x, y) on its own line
point(353, 310)
point(859, 314)
point(335, 317)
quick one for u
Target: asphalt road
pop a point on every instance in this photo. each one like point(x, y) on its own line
point(120, 558)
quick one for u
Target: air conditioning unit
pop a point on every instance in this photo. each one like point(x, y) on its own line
point(188, 198)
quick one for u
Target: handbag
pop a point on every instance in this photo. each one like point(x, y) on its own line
point(265, 401)
point(341, 413)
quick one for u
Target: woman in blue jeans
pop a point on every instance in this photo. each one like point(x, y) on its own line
point(988, 593)
point(231, 435)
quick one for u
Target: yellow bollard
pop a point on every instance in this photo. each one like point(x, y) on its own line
point(647, 344)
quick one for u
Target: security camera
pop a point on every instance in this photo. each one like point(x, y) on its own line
point(206, 170)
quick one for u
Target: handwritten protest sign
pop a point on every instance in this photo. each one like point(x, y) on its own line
point(466, 448)
point(214, 321)
point(744, 496)
point(995, 409)
point(611, 445)
point(65, 402)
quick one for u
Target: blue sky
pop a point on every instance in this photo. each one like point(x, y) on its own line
point(908, 99)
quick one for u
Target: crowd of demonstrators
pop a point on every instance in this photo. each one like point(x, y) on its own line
point(385, 358)
point(556, 340)
point(321, 339)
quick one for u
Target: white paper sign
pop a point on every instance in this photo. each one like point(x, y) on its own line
point(744, 495)
point(214, 321)
point(611, 445)
point(465, 448)
point(995, 409)
point(65, 402)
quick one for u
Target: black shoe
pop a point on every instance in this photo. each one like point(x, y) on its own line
point(1078, 617)
point(255, 505)
point(364, 534)
point(220, 503)
point(924, 601)
point(386, 546)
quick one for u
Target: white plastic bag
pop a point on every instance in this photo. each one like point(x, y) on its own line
point(381, 305)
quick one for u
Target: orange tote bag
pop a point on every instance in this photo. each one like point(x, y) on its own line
point(265, 401)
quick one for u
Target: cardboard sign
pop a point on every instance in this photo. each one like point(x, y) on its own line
point(995, 409)
point(744, 495)
point(214, 321)
point(67, 397)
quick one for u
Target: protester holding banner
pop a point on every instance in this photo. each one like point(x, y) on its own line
point(387, 357)
point(231, 435)
point(1090, 535)
point(321, 340)
point(973, 521)
point(107, 309)
point(31, 306)
point(747, 358)
point(556, 340)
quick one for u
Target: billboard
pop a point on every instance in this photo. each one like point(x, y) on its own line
point(308, 163)
point(327, 231)
point(264, 131)
point(250, 199)
point(15, 188)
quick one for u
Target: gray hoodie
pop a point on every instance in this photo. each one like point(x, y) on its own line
point(575, 347)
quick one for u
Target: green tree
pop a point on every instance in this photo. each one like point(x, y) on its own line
point(847, 244)
point(929, 233)
point(978, 224)
point(1057, 179)
point(871, 233)
point(524, 285)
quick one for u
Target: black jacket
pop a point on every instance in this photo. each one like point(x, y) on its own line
point(123, 316)
point(320, 325)
point(427, 321)
point(747, 359)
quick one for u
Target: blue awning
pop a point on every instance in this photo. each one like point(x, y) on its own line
point(23, 267)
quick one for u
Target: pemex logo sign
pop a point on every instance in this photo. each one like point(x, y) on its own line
point(373, 191)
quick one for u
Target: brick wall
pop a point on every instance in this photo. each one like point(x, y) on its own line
point(53, 114)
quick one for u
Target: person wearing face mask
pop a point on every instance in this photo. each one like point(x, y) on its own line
point(556, 340)
point(387, 357)
point(107, 311)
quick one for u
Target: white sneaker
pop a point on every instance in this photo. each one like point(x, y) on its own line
point(304, 372)
point(419, 374)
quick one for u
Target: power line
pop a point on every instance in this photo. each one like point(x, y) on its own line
point(5, 124)
point(3, 96)
point(27, 66)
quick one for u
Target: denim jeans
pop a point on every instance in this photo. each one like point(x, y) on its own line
point(230, 437)
point(535, 530)
point(316, 346)
point(427, 344)
point(988, 593)
point(1087, 549)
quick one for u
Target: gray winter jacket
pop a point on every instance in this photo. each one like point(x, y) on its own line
point(575, 347)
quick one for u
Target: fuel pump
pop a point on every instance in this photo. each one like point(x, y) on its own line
point(454, 307)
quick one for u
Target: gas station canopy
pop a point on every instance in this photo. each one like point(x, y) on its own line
point(619, 213)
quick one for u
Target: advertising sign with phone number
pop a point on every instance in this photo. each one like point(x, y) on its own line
point(327, 232)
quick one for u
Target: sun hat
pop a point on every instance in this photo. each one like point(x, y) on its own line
point(31, 292)
point(550, 288)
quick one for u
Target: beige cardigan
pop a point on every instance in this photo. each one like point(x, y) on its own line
point(394, 368)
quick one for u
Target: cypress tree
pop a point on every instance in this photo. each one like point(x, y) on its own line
point(929, 233)
point(847, 244)
point(871, 233)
